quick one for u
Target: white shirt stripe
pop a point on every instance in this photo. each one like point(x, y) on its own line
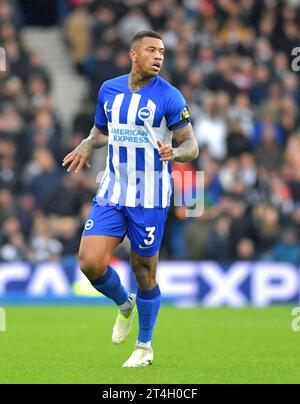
point(105, 179)
point(115, 109)
point(152, 106)
point(105, 183)
point(117, 187)
point(133, 108)
point(131, 172)
point(165, 185)
point(105, 107)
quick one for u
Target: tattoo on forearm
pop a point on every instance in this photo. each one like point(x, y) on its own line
point(188, 149)
point(97, 139)
point(182, 134)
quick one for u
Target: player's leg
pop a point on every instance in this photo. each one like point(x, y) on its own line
point(148, 295)
point(103, 232)
point(148, 304)
point(95, 253)
point(145, 231)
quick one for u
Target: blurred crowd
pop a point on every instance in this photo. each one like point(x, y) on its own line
point(232, 60)
point(41, 209)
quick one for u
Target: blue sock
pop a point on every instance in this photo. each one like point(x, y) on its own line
point(110, 286)
point(148, 303)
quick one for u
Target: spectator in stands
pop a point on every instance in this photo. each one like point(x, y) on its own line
point(77, 31)
point(287, 248)
point(246, 250)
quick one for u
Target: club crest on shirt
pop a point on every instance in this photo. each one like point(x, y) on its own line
point(145, 113)
point(89, 225)
point(185, 115)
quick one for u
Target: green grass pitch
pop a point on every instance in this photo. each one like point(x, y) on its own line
point(60, 344)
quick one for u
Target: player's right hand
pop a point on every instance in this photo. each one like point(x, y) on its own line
point(79, 157)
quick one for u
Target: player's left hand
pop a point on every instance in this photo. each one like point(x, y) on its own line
point(166, 152)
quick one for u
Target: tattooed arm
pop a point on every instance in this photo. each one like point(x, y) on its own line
point(187, 149)
point(81, 155)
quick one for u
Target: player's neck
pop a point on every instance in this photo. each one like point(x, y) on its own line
point(136, 81)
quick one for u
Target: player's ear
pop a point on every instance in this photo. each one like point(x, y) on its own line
point(133, 55)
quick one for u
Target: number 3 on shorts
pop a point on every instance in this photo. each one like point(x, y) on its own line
point(151, 237)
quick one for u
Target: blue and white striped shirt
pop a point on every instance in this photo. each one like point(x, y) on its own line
point(134, 174)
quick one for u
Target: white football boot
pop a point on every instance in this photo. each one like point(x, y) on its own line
point(140, 357)
point(123, 325)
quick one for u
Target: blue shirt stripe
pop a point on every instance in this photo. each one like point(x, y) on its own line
point(158, 168)
point(123, 174)
point(140, 178)
point(158, 117)
point(142, 104)
point(124, 108)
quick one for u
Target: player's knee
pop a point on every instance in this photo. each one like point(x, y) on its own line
point(93, 267)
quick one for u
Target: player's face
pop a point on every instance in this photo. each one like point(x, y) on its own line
point(148, 56)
